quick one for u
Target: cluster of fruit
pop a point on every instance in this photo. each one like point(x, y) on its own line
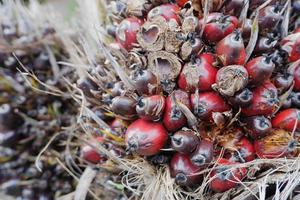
point(200, 84)
point(28, 119)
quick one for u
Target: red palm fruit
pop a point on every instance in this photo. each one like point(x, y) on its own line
point(291, 44)
point(295, 71)
point(185, 141)
point(233, 7)
point(206, 103)
point(208, 57)
point(231, 79)
point(276, 145)
point(90, 154)
point(259, 69)
point(246, 29)
point(197, 74)
point(204, 153)
point(183, 170)
point(231, 49)
point(181, 2)
point(258, 126)
point(145, 81)
point(287, 119)
point(119, 126)
point(269, 18)
point(218, 26)
point(265, 101)
point(124, 107)
point(173, 118)
point(167, 11)
point(226, 177)
point(265, 45)
point(283, 81)
point(241, 99)
point(151, 108)
point(146, 138)
point(126, 32)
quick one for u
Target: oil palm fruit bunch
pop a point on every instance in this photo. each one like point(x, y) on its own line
point(205, 91)
point(29, 115)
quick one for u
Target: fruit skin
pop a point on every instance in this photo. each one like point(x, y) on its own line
point(198, 74)
point(124, 107)
point(151, 107)
point(208, 57)
point(233, 7)
point(208, 102)
point(265, 101)
point(218, 26)
point(181, 2)
point(226, 179)
point(167, 11)
point(183, 170)
point(231, 49)
point(173, 118)
point(265, 45)
point(145, 138)
point(291, 44)
point(286, 119)
point(204, 153)
point(241, 99)
point(185, 141)
point(276, 145)
point(295, 71)
point(268, 18)
point(258, 126)
point(259, 69)
point(90, 154)
point(283, 81)
point(145, 82)
point(126, 32)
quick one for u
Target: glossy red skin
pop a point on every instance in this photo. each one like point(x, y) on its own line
point(208, 57)
point(275, 145)
point(212, 103)
point(291, 44)
point(231, 51)
point(181, 163)
point(181, 2)
point(131, 26)
point(223, 182)
point(259, 71)
point(264, 102)
point(90, 154)
point(205, 148)
point(215, 30)
point(246, 150)
point(295, 71)
point(150, 136)
point(167, 11)
point(206, 73)
point(170, 123)
point(287, 119)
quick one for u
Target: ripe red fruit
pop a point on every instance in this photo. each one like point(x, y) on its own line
point(259, 69)
point(241, 99)
point(145, 81)
point(287, 119)
point(197, 74)
point(206, 103)
point(291, 44)
point(185, 141)
point(208, 57)
point(231, 79)
point(173, 118)
point(258, 126)
point(145, 138)
point(231, 49)
point(183, 170)
point(265, 101)
point(283, 81)
point(151, 108)
point(90, 154)
point(167, 11)
point(204, 153)
point(295, 71)
point(181, 2)
point(218, 26)
point(126, 32)
point(269, 18)
point(276, 145)
point(226, 177)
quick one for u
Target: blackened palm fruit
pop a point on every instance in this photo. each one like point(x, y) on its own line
point(185, 141)
point(269, 18)
point(265, 44)
point(124, 107)
point(242, 98)
point(9, 119)
point(258, 126)
point(145, 82)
